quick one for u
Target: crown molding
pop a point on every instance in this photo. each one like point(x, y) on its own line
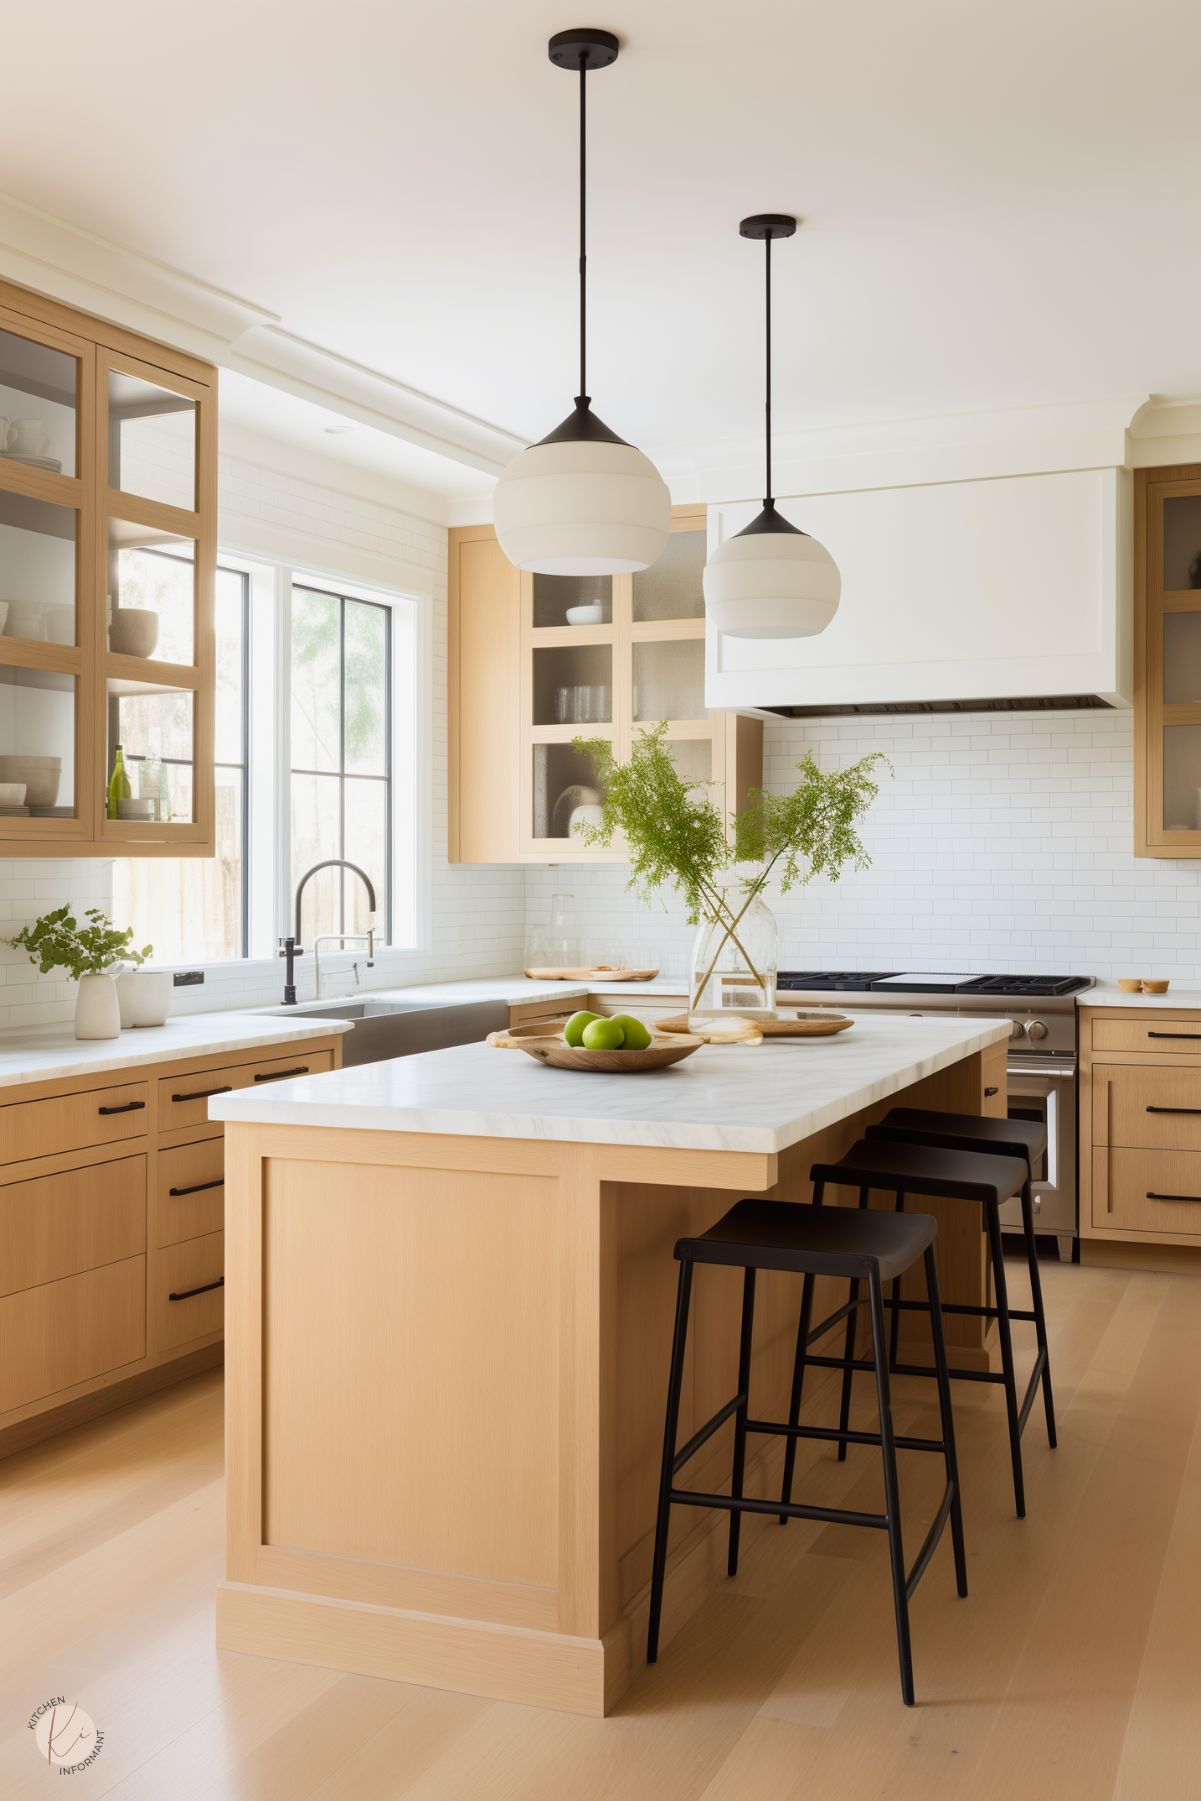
point(1164, 432)
point(77, 266)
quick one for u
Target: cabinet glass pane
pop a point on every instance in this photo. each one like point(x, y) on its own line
point(1182, 542)
point(1182, 778)
point(37, 743)
point(1181, 658)
point(573, 685)
point(669, 680)
point(151, 594)
point(671, 587)
point(155, 728)
point(37, 570)
point(151, 441)
point(554, 595)
point(38, 389)
point(566, 789)
point(693, 758)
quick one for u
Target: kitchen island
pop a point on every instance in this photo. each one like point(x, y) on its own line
point(449, 1293)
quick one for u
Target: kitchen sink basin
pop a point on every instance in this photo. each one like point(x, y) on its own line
point(383, 1028)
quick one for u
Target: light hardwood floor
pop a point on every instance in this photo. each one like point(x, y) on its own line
point(1072, 1673)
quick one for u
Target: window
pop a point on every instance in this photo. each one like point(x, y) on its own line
point(310, 677)
point(341, 732)
point(191, 908)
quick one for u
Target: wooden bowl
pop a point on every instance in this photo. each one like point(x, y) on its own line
point(817, 1024)
point(1154, 987)
point(548, 1047)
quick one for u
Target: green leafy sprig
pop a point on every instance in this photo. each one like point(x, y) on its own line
point(58, 941)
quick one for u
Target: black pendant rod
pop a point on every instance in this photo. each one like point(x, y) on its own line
point(583, 393)
point(767, 499)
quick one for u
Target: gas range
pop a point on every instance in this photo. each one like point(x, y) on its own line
point(848, 981)
point(1042, 1008)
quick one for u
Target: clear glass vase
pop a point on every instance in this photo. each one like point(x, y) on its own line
point(734, 960)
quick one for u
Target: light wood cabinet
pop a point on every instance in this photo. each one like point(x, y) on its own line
point(1140, 1132)
point(112, 1232)
point(525, 680)
point(1167, 662)
point(107, 573)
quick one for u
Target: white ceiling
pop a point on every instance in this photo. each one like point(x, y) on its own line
point(999, 202)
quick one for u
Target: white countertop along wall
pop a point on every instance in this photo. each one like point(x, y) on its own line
point(1108, 994)
point(759, 1098)
point(54, 1054)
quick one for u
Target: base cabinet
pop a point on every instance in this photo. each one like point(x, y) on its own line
point(112, 1232)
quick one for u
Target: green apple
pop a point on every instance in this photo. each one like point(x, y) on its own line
point(573, 1031)
point(603, 1035)
point(637, 1037)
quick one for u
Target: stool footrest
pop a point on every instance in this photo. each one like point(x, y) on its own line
point(706, 1431)
point(1032, 1389)
point(833, 1319)
point(961, 1307)
point(797, 1510)
point(931, 1539)
point(835, 1435)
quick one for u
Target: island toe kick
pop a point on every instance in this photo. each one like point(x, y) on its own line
point(445, 1372)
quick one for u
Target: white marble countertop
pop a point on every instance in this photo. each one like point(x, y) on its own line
point(723, 1098)
point(53, 1053)
point(511, 991)
point(1108, 994)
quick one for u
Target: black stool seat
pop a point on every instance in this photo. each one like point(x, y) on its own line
point(1025, 1138)
point(927, 1169)
point(829, 1241)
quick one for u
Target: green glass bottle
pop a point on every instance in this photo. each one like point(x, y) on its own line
point(118, 785)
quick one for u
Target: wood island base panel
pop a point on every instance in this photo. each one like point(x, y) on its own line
point(446, 1368)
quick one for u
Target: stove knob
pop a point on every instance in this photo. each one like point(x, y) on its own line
point(1016, 1029)
point(1036, 1029)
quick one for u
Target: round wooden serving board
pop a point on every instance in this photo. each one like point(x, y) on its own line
point(584, 975)
point(548, 1047)
point(800, 1025)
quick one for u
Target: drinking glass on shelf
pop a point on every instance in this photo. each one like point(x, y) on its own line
point(583, 704)
point(563, 713)
point(600, 702)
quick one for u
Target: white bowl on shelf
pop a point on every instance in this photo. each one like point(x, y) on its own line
point(12, 794)
point(591, 614)
point(137, 809)
point(133, 632)
point(40, 775)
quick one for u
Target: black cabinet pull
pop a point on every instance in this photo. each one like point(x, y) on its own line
point(280, 1075)
point(1173, 1109)
point(205, 1287)
point(199, 1187)
point(125, 1107)
point(990, 1091)
point(1193, 1035)
point(202, 1094)
point(1152, 1196)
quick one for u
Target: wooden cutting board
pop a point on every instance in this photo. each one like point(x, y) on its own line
point(585, 975)
point(801, 1025)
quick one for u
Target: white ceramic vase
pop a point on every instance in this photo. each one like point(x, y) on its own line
point(144, 996)
point(97, 1014)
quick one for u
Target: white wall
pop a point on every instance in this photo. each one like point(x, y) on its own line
point(474, 917)
point(1003, 843)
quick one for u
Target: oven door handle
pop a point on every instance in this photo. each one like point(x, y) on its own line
point(1057, 1071)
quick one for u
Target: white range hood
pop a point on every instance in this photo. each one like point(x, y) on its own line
point(970, 592)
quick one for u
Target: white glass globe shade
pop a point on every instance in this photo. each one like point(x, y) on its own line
point(582, 506)
point(771, 584)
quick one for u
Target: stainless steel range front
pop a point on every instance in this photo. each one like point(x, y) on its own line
point(1042, 1055)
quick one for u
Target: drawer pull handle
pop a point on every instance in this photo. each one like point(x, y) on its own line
point(991, 1091)
point(280, 1075)
point(1173, 1109)
point(187, 1293)
point(125, 1107)
point(1152, 1196)
point(202, 1094)
point(1196, 1036)
point(199, 1187)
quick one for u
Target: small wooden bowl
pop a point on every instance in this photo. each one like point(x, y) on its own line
point(1130, 984)
point(549, 1048)
point(1156, 987)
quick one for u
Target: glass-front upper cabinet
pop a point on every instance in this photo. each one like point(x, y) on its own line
point(152, 439)
point(1168, 643)
point(39, 404)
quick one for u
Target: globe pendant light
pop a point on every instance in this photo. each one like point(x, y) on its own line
point(583, 501)
point(771, 580)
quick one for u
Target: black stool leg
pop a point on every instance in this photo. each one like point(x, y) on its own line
point(894, 1330)
point(950, 1458)
point(798, 1380)
point(848, 1350)
point(671, 1426)
point(1040, 1318)
point(892, 1495)
point(1001, 1291)
point(744, 1383)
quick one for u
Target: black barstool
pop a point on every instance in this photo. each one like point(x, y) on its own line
point(812, 1241)
point(991, 1179)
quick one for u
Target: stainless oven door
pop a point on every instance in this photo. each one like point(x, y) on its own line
point(1044, 1088)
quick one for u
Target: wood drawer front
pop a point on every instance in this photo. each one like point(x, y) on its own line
point(191, 1192)
point(182, 1267)
point(72, 1122)
point(66, 1332)
point(183, 1100)
point(1147, 1191)
point(56, 1226)
point(1162, 1037)
point(1152, 1108)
